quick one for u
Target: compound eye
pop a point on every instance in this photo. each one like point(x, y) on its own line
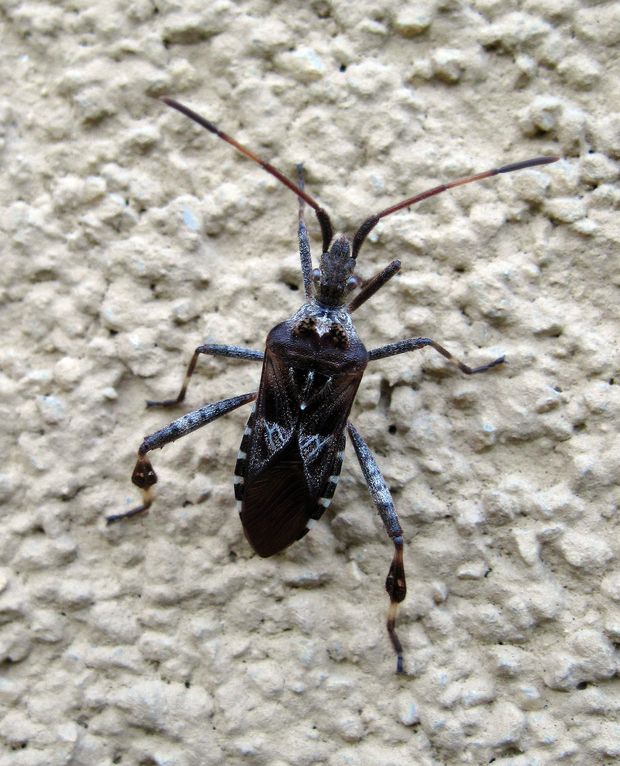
point(316, 275)
point(352, 282)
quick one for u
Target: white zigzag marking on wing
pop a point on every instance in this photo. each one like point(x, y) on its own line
point(274, 434)
point(312, 445)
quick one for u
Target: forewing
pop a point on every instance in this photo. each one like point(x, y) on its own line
point(276, 417)
point(276, 504)
point(321, 428)
point(292, 452)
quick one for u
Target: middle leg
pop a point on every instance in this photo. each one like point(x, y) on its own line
point(413, 344)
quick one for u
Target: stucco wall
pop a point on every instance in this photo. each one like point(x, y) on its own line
point(130, 237)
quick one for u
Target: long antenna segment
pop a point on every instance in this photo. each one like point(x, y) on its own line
point(369, 224)
point(321, 214)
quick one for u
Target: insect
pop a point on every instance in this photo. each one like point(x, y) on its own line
point(292, 449)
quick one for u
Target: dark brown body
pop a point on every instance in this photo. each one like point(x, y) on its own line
point(293, 447)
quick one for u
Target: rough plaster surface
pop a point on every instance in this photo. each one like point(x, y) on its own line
point(129, 237)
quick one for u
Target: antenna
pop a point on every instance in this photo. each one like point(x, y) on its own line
point(370, 223)
point(321, 214)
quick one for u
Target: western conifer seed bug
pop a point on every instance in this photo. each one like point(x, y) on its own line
point(292, 449)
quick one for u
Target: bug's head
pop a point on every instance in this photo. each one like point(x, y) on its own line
point(334, 279)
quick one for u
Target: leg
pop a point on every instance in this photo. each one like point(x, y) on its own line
point(304, 242)
point(212, 349)
point(395, 583)
point(143, 474)
point(412, 344)
point(370, 287)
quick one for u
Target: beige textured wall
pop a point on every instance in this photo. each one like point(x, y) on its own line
point(129, 237)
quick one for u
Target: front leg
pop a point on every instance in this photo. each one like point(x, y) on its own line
point(304, 242)
point(211, 349)
point(144, 476)
point(395, 584)
point(413, 344)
